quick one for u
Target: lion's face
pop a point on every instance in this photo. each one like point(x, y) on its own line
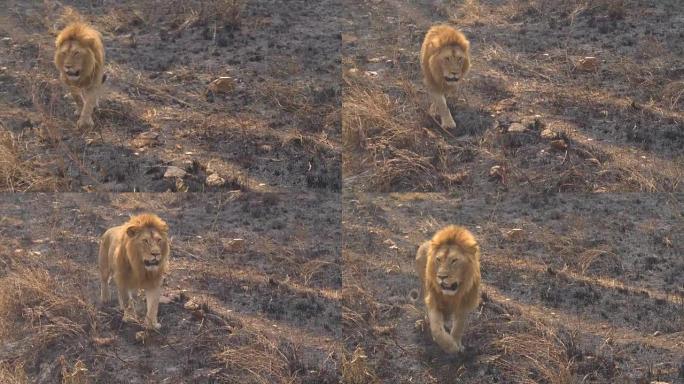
point(151, 245)
point(450, 63)
point(74, 60)
point(453, 268)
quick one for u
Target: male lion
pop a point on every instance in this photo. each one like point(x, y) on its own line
point(79, 57)
point(136, 254)
point(444, 59)
point(449, 270)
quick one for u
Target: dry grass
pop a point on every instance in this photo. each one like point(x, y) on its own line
point(386, 149)
point(355, 369)
point(619, 139)
point(41, 315)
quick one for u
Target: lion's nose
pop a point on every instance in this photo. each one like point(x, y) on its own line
point(156, 253)
point(442, 277)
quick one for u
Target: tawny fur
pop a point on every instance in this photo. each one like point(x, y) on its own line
point(453, 254)
point(79, 49)
point(123, 252)
point(445, 51)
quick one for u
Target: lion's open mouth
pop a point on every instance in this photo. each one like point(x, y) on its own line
point(451, 79)
point(151, 263)
point(449, 287)
point(73, 74)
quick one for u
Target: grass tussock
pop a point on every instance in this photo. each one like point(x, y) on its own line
point(40, 311)
point(253, 357)
point(355, 369)
point(388, 148)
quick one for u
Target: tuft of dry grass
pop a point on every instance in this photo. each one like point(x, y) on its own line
point(355, 369)
point(381, 132)
point(13, 374)
point(534, 355)
point(41, 311)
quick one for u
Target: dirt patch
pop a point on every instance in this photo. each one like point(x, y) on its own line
point(276, 128)
point(620, 121)
point(264, 309)
point(589, 289)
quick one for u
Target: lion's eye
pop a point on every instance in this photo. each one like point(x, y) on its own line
point(453, 261)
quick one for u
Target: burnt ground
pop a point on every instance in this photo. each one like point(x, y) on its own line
point(591, 290)
point(277, 129)
point(268, 312)
point(620, 125)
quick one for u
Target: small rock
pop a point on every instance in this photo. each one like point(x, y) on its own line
point(514, 234)
point(560, 145)
point(548, 134)
point(173, 171)
point(214, 180)
point(234, 245)
point(192, 305)
point(391, 244)
point(496, 171)
point(593, 161)
point(223, 84)
point(588, 64)
point(145, 139)
point(516, 128)
point(265, 148)
point(656, 333)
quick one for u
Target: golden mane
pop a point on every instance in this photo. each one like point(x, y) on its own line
point(458, 236)
point(148, 220)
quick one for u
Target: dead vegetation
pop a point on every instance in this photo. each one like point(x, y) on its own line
point(576, 288)
point(597, 73)
point(156, 91)
point(228, 314)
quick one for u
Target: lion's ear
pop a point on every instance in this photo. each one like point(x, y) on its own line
point(132, 230)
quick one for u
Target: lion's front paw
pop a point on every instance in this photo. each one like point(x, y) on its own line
point(448, 123)
point(456, 347)
point(152, 324)
point(85, 123)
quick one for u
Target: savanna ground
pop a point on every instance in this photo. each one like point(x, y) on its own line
point(275, 126)
point(532, 105)
point(577, 288)
point(265, 310)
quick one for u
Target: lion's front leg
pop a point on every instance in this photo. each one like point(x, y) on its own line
point(76, 95)
point(458, 324)
point(439, 334)
point(85, 121)
point(152, 298)
point(440, 105)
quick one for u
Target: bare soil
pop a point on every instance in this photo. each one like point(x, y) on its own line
point(621, 123)
point(277, 129)
point(590, 291)
point(266, 313)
